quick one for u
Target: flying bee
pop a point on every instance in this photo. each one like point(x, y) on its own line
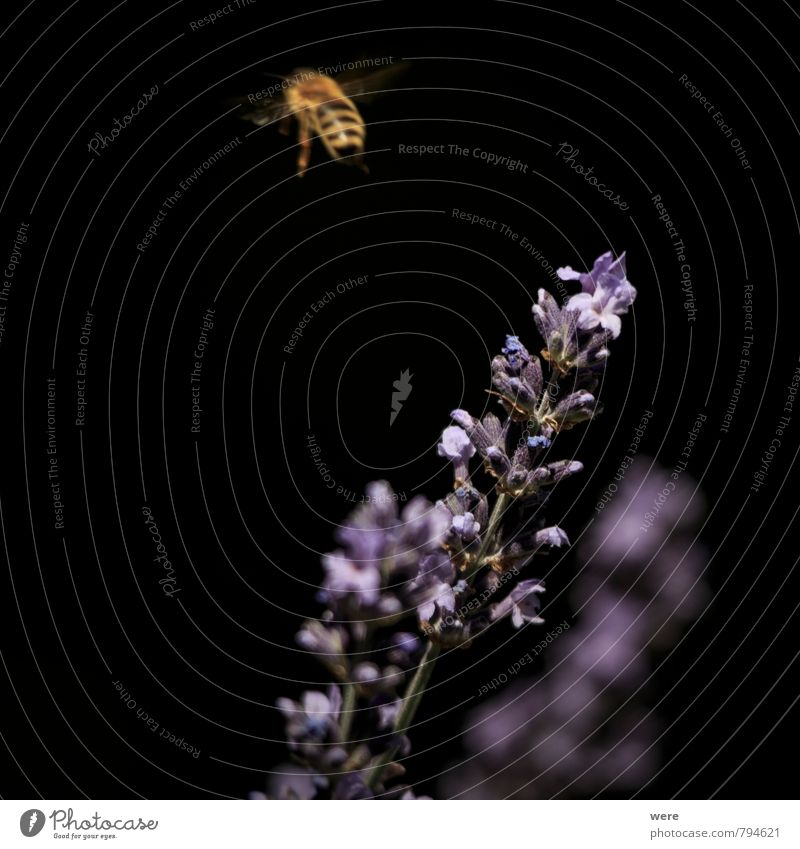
point(322, 107)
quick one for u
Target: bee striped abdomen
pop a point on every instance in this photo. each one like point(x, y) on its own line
point(341, 128)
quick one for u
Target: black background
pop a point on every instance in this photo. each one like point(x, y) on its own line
point(242, 510)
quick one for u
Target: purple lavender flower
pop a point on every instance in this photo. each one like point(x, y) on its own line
point(314, 717)
point(433, 587)
point(345, 577)
point(291, 781)
point(515, 352)
point(552, 473)
point(312, 724)
point(522, 604)
point(382, 552)
point(606, 294)
point(568, 346)
point(456, 447)
point(511, 456)
point(404, 649)
point(466, 527)
point(366, 674)
point(328, 642)
point(469, 511)
point(422, 530)
point(590, 280)
point(554, 537)
point(352, 786)
point(517, 378)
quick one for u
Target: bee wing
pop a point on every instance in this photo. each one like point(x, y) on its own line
point(366, 85)
point(266, 112)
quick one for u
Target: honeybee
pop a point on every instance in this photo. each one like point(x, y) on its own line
point(322, 107)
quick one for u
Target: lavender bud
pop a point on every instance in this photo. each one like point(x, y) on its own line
point(522, 395)
point(497, 462)
point(564, 468)
point(532, 375)
point(500, 365)
point(575, 408)
point(522, 457)
point(559, 329)
point(463, 419)
point(493, 427)
point(352, 786)
point(546, 314)
point(404, 649)
point(392, 677)
point(327, 642)
point(475, 430)
point(502, 384)
point(516, 480)
point(481, 512)
point(366, 674)
point(516, 352)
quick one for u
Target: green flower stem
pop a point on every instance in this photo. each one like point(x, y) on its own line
point(500, 507)
point(349, 690)
point(348, 709)
point(544, 404)
point(405, 715)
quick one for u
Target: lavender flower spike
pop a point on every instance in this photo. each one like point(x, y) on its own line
point(455, 563)
point(606, 294)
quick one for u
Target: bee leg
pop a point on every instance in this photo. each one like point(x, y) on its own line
point(285, 125)
point(305, 147)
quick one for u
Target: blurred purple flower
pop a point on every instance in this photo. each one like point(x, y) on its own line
point(352, 786)
point(314, 718)
point(582, 729)
point(344, 577)
point(404, 649)
point(291, 781)
point(433, 587)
